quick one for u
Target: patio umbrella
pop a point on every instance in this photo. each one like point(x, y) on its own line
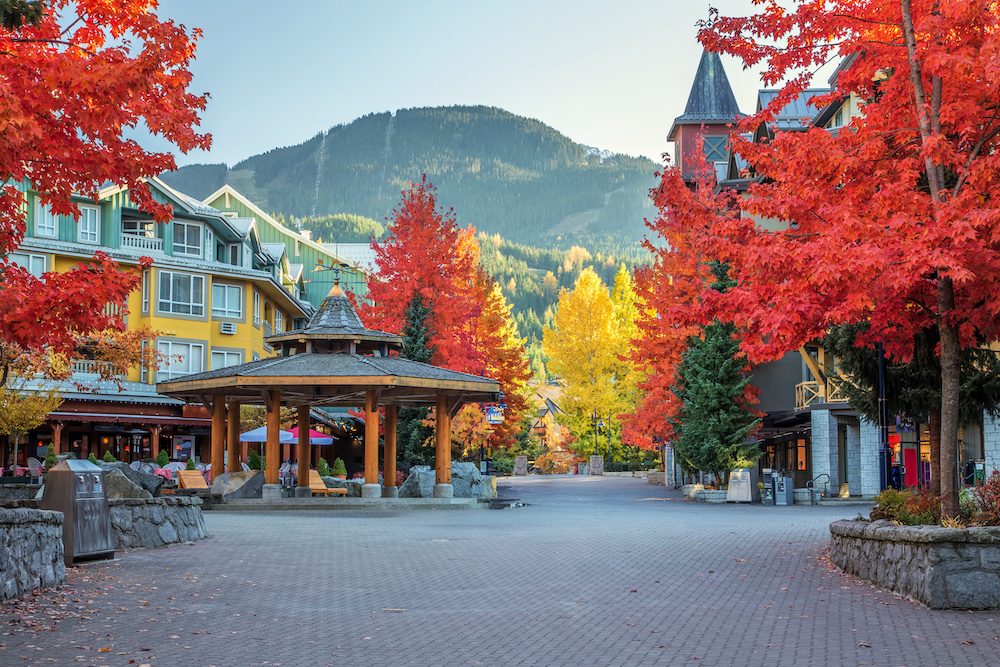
point(260, 435)
point(315, 437)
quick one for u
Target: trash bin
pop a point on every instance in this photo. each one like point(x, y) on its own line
point(783, 491)
point(76, 488)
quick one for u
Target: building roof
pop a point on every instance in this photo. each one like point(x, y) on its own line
point(797, 115)
point(275, 250)
point(711, 99)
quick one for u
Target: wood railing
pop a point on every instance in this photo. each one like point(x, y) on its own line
point(808, 393)
point(137, 242)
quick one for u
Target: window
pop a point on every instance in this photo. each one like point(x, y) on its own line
point(182, 293)
point(227, 301)
point(209, 245)
point(234, 254)
point(146, 278)
point(46, 223)
point(223, 358)
point(89, 227)
point(35, 264)
point(187, 238)
point(256, 308)
point(134, 227)
point(715, 148)
point(181, 359)
point(279, 322)
point(256, 357)
point(839, 118)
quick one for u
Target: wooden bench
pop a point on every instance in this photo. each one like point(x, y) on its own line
point(317, 485)
point(191, 479)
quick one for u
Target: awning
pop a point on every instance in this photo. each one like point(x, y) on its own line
point(162, 420)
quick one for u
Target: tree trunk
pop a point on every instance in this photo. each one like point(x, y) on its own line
point(950, 365)
point(934, 435)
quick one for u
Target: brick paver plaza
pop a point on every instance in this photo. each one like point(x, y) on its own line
point(595, 571)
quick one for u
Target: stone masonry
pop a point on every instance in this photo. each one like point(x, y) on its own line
point(944, 568)
point(156, 522)
point(824, 447)
point(31, 551)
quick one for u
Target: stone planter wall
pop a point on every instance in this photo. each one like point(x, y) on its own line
point(156, 522)
point(656, 477)
point(31, 551)
point(690, 489)
point(944, 568)
point(710, 496)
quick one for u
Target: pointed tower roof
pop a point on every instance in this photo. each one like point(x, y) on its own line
point(711, 100)
point(335, 327)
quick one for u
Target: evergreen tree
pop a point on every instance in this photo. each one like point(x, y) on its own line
point(413, 435)
point(715, 421)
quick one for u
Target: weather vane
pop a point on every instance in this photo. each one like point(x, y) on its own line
point(337, 267)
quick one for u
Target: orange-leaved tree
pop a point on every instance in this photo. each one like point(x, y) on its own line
point(891, 220)
point(74, 76)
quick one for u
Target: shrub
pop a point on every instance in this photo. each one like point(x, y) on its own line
point(162, 458)
point(986, 499)
point(254, 461)
point(322, 467)
point(907, 507)
point(92, 458)
point(50, 456)
point(109, 457)
point(190, 464)
point(338, 469)
point(358, 475)
point(400, 478)
point(504, 465)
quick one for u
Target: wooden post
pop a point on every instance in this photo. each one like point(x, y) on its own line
point(233, 436)
point(154, 440)
point(273, 447)
point(442, 448)
point(218, 435)
point(303, 453)
point(371, 438)
point(57, 428)
point(389, 469)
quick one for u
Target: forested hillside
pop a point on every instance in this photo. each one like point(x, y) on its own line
point(501, 173)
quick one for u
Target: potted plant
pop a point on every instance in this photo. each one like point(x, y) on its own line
point(322, 467)
point(338, 469)
point(162, 459)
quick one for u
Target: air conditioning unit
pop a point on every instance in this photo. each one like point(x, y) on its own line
point(227, 327)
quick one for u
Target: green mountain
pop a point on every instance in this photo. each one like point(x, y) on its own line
point(501, 173)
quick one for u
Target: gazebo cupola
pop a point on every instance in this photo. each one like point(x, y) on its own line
point(336, 328)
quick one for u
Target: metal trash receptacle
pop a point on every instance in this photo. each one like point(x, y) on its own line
point(783, 491)
point(76, 488)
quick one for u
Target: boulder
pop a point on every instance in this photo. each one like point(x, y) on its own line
point(353, 486)
point(117, 485)
point(240, 484)
point(466, 480)
point(151, 483)
point(520, 466)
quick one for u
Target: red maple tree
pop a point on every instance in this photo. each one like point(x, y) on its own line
point(73, 79)
point(893, 219)
point(471, 328)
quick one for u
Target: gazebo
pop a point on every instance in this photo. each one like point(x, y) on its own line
point(334, 361)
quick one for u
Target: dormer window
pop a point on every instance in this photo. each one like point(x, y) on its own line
point(187, 238)
point(89, 226)
point(46, 222)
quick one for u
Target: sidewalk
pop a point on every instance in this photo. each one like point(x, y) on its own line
point(593, 571)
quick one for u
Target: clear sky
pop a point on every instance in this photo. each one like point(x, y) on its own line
point(610, 74)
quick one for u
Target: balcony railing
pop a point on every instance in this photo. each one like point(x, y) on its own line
point(808, 393)
point(137, 242)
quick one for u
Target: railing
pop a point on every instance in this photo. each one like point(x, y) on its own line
point(808, 393)
point(88, 366)
point(137, 242)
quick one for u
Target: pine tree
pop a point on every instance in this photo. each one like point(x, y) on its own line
point(414, 436)
point(715, 421)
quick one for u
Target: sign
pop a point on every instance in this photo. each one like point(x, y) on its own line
point(494, 416)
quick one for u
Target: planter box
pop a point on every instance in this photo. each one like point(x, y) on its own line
point(943, 568)
point(712, 496)
point(656, 477)
point(690, 489)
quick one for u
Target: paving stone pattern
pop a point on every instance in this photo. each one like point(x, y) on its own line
point(595, 571)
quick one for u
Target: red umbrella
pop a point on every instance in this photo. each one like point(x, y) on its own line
point(315, 437)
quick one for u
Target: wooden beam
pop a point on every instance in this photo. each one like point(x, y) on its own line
point(389, 467)
point(233, 436)
point(207, 402)
point(273, 447)
point(371, 437)
point(455, 404)
point(218, 436)
point(266, 396)
point(442, 443)
point(304, 447)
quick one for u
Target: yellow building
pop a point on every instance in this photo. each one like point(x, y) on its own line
point(214, 292)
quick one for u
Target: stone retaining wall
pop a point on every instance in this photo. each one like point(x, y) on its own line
point(31, 551)
point(944, 568)
point(156, 522)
